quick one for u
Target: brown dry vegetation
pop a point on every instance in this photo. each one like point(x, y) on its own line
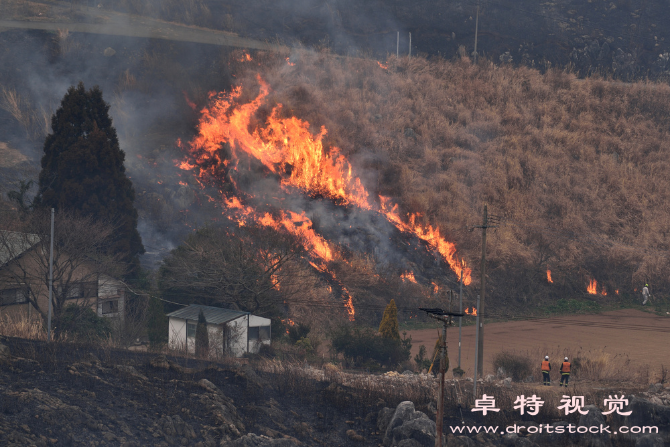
point(576, 168)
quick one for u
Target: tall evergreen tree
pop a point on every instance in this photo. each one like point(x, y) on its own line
point(83, 171)
point(157, 323)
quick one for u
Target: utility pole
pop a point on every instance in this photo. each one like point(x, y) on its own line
point(476, 31)
point(51, 276)
point(397, 45)
point(460, 319)
point(474, 381)
point(410, 44)
point(480, 306)
point(445, 318)
point(480, 310)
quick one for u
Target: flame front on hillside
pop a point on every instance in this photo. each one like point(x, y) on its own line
point(301, 162)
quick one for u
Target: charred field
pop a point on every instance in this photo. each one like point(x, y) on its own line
point(72, 394)
point(67, 394)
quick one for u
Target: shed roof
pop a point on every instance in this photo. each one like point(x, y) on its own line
point(213, 315)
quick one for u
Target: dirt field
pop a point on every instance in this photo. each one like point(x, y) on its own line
point(639, 336)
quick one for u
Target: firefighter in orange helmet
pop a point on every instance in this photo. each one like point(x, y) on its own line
point(546, 367)
point(565, 373)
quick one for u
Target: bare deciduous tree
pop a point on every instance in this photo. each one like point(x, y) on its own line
point(252, 270)
point(80, 265)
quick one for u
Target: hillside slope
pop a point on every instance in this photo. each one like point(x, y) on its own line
point(575, 169)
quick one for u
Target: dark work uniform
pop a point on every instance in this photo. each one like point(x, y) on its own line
point(565, 374)
point(546, 367)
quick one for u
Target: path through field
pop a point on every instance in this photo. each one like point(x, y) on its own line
point(628, 333)
point(102, 21)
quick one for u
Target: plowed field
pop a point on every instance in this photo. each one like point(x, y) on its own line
point(623, 334)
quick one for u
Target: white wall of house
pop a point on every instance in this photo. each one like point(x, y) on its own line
point(259, 333)
point(233, 343)
point(111, 298)
point(177, 334)
point(237, 336)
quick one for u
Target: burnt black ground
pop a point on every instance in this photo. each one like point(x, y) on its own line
point(67, 394)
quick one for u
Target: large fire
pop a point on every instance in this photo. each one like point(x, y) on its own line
point(298, 157)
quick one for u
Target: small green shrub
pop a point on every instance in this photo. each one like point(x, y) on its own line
point(83, 324)
point(421, 361)
point(365, 347)
point(306, 344)
point(298, 332)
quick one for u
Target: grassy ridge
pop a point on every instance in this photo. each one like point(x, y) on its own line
point(575, 168)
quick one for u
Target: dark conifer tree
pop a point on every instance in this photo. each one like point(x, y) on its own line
point(157, 323)
point(201, 336)
point(83, 171)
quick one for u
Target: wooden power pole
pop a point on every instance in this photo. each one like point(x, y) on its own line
point(480, 311)
point(445, 318)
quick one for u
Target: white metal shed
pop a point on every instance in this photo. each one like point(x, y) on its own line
point(231, 332)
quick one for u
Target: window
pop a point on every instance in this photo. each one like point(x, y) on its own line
point(253, 333)
point(14, 296)
point(90, 289)
point(75, 290)
point(110, 306)
point(264, 332)
point(190, 329)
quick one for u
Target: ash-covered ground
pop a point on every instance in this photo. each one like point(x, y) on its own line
point(64, 394)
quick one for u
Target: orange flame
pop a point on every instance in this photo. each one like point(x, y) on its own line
point(591, 289)
point(549, 276)
point(408, 276)
point(298, 225)
point(186, 166)
point(603, 292)
point(435, 288)
point(430, 235)
point(616, 291)
point(246, 58)
point(288, 61)
point(471, 311)
point(349, 305)
point(289, 322)
point(384, 66)
point(286, 147)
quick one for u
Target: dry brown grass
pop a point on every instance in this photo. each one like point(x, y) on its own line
point(21, 327)
point(365, 390)
point(36, 121)
point(575, 167)
point(589, 366)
